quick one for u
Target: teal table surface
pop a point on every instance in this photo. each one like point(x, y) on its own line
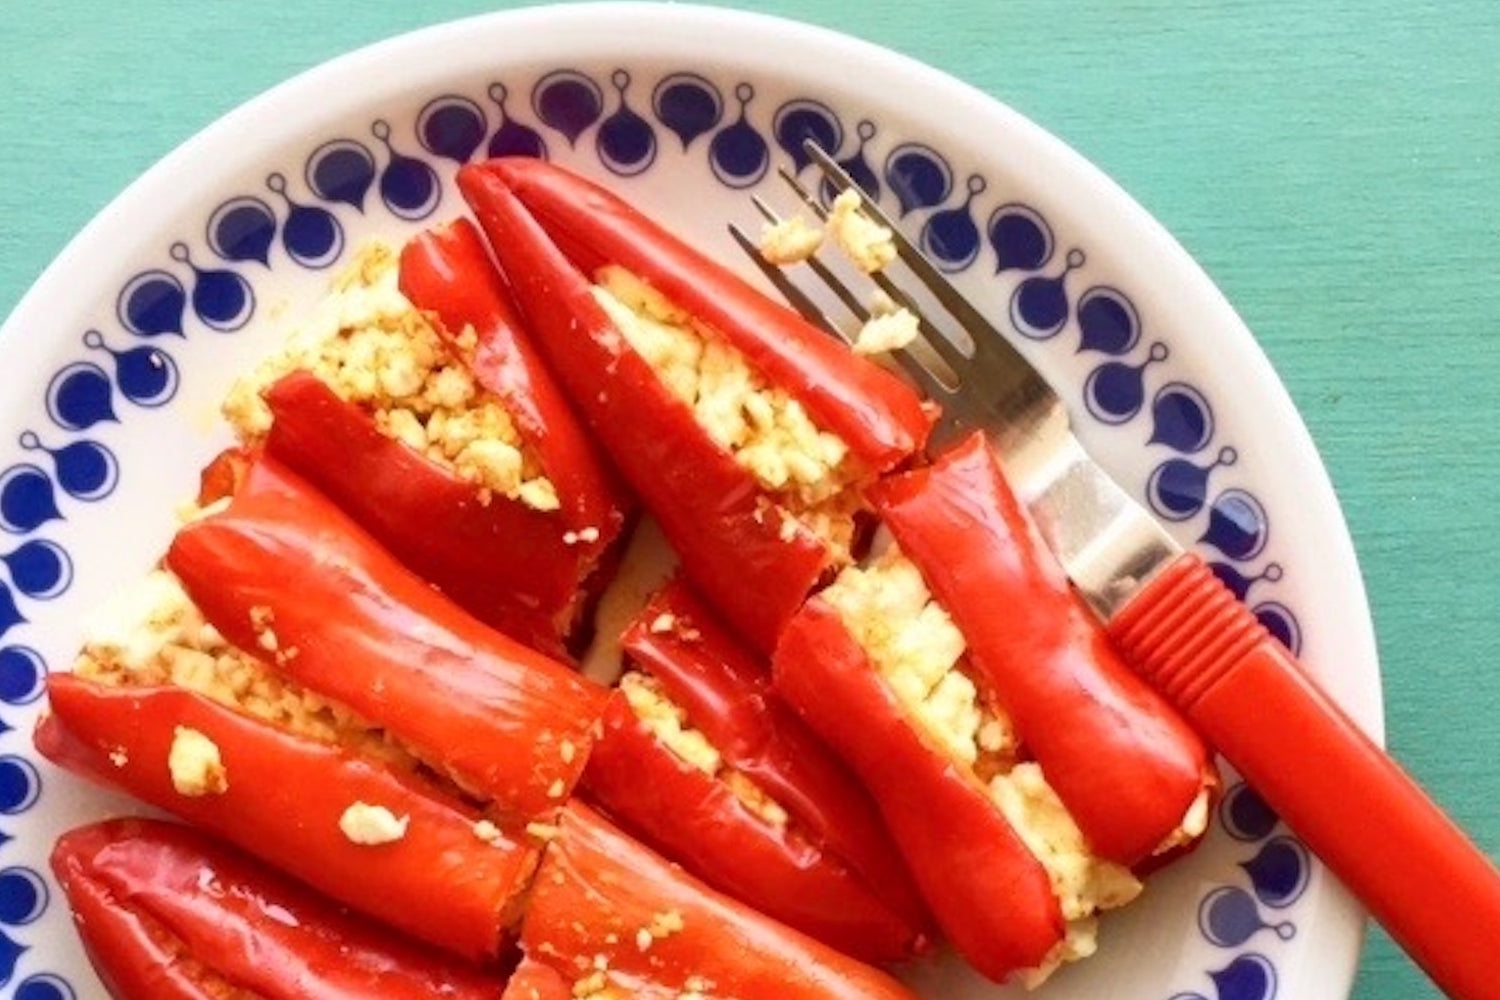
point(1335, 166)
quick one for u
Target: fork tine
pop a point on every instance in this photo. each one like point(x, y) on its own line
point(794, 296)
point(987, 340)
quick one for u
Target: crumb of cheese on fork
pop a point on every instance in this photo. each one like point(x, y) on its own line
point(372, 826)
point(789, 241)
point(368, 344)
point(195, 764)
point(867, 242)
point(885, 332)
point(667, 721)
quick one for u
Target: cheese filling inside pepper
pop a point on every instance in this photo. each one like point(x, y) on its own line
point(374, 349)
point(668, 723)
point(151, 634)
point(918, 651)
point(768, 432)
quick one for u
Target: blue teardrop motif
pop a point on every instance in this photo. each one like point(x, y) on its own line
point(10, 954)
point(20, 784)
point(23, 672)
point(23, 896)
point(408, 186)
point(513, 138)
point(1021, 238)
point(86, 470)
point(147, 376)
point(1178, 488)
point(221, 299)
point(40, 569)
point(1279, 872)
point(341, 171)
point(918, 176)
point(951, 237)
point(10, 615)
point(1245, 815)
point(79, 396)
point(26, 499)
point(688, 105)
point(151, 304)
point(625, 143)
point(1280, 622)
point(1228, 917)
point(738, 156)
point(1039, 305)
point(1237, 525)
point(567, 101)
point(1239, 583)
point(242, 230)
point(1116, 390)
point(1181, 418)
point(1107, 322)
point(1248, 977)
point(44, 986)
point(856, 166)
point(800, 121)
point(451, 127)
point(311, 236)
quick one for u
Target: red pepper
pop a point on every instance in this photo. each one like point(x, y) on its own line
point(534, 981)
point(990, 895)
point(550, 231)
point(525, 571)
point(166, 913)
point(284, 574)
point(602, 902)
point(832, 871)
point(282, 800)
point(1125, 764)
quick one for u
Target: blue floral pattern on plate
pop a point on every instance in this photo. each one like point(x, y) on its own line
point(633, 123)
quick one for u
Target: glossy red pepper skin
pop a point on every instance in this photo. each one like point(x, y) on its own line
point(284, 798)
point(990, 895)
point(164, 911)
point(352, 624)
point(726, 692)
point(533, 980)
point(1122, 760)
point(725, 528)
point(597, 889)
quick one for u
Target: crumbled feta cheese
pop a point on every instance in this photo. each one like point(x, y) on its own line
point(1193, 825)
point(152, 634)
point(371, 826)
point(767, 431)
point(541, 831)
point(557, 789)
point(195, 764)
point(662, 623)
point(790, 241)
point(916, 648)
point(868, 243)
point(668, 723)
point(589, 534)
point(486, 831)
point(886, 332)
point(566, 751)
point(368, 344)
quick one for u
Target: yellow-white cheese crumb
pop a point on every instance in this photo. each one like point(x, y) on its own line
point(195, 764)
point(916, 648)
point(868, 244)
point(668, 723)
point(885, 332)
point(1193, 825)
point(662, 623)
point(557, 789)
point(372, 826)
point(767, 431)
point(486, 831)
point(541, 831)
point(369, 345)
point(789, 241)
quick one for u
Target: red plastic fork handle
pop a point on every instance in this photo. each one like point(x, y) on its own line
point(1419, 875)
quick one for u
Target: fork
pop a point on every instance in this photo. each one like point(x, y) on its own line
point(1183, 630)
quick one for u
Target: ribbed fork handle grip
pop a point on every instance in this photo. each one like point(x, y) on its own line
point(1355, 808)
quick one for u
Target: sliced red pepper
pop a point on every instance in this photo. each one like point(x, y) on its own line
point(283, 799)
point(165, 912)
point(283, 573)
point(603, 903)
point(533, 980)
point(833, 872)
point(727, 530)
point(990, 895)
point(1125, 764)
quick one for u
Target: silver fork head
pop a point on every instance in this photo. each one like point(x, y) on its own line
point(985, 384)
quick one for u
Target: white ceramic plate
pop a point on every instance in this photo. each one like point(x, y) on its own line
point(118, 356)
